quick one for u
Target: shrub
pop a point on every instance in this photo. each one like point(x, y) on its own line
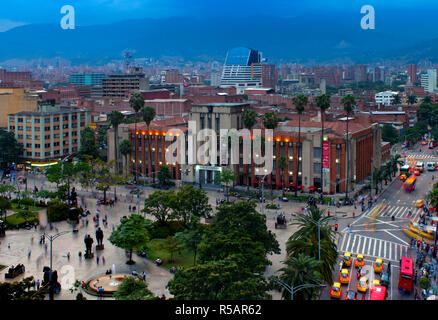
point(167, 230)
point(57, 212)
point(424, 283)
point(27, 202)
point(15, 200)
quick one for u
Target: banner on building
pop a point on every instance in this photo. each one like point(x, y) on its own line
point(325, 156)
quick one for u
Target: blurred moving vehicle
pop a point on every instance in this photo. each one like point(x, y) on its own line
point(336, 291)
point(359, 262)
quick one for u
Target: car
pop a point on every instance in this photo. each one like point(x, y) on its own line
point(378, 265)
point(351, 295)
point(403, 177)
point(336, 291)
point(346, 259)
point(423, 143)
point(344, 276)
point(374, 283)
point(359, 262)
point(417, 172)
point(362, 285)
point(384, 279)
point(419, 203)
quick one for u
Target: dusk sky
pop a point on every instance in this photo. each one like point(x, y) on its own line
point(91, 12)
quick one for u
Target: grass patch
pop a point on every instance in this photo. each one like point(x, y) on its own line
point(183, 257)
point(2, 267)
point(16, 207)
point(20, 218)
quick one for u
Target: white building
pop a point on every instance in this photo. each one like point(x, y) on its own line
point(428, 81)
point(385, 98)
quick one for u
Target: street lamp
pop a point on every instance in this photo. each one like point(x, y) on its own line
point(263, 194)
point(292, 289)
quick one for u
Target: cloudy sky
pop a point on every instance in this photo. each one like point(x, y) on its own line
point(91, 12)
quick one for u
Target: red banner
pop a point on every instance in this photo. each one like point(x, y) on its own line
point(326, 156)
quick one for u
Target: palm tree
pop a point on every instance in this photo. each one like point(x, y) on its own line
point(323, 103)
point(432, 196)
point(148, 115)
point(348, 102)
point(300, 101)
point(249, 120)
point(116, 118)
point(137, 103)
point(281, 162)
point(270, 120)
point(395, 162)
point(125, 148)
point(298, 271)
point(305, 240)
point(412, 99)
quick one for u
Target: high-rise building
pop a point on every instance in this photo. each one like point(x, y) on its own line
point(412, 73)
point(120, 85)
point(360, 73)
point(269, 76)
point(13, 100)
point(242, 69)
point(428, 81)
point(87, 79)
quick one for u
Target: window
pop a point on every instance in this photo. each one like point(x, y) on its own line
point(317, 153)
point(28, 128)
point(37, 145)
point(47, 120)
point(317, 168)
point(65, 118)
point(47, 128)
point(20, 136)
point(65, 126)
point(37, 120)
point(28, 145)
point(20, 119)
point(20, 127)
point(37, 154)
point(56, 119)
point(37, 128)
point(47, 137)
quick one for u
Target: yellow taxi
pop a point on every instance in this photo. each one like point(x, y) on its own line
point(346, 259)
point(419, 204)
point(423, 143)
point(344, 276)
point(359, 262)
point(362, 285)
point(336, 290)
point(374, 283)
point(378, 265)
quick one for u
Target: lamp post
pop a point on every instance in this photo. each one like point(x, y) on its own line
point(263, 194)
point(292, 289)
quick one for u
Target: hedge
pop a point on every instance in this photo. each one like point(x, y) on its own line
point(169, 229)
point(57, 212)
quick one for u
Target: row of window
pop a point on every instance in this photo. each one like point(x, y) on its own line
point(47, 120)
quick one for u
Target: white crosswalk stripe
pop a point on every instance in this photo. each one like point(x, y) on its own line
point(420, 156)
point(372, 247)
point(399, 212)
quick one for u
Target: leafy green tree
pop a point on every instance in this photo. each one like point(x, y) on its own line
point(133, 289)
point(298, 271)
point(89, 145)
point(191, 237)
point(5, 204)
point(104, 176)
point(164, 176)
point(300, 102)
point(270, 120)
point(132, 233)
point(305, 240)
point(412, 99)
point(432, 196)
point(190, 200)
point(397, 99)
point(125, 148)
point(171, 245)
point(158, 204)
point(389, 134)
point(116, 118)
point(226, 279)
point(19, 290)
point(249, 119)
point(10, 150)
point(6, 189)
point(227, 178)
point(427, 99)
point(137, 103)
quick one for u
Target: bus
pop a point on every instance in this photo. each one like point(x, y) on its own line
point(410, 183)
point(404, 172)
point(378, 293)
point(406, 273)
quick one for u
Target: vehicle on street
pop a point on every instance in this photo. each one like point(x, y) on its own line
point(384, 279)
point(336, 291)
point(417, 173)
point(351, 295)
point(410, 183)
point(406, 273)
point(362, 285)
point(419, 166)
point(344, 276)
point(424, 143)
point(346, 259)
point(378, 293)
point(404, 171)
point(374, 283)
point(359, 262)
point(430, 166)
point(419, 203)
point(378, 266)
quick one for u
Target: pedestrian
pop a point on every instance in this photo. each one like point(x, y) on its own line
point(86, 222)
point(144, 275)
point(68, 256)
point(336, 227)
point(38, 284)
point(103, 260)
point(97, 259)
point(353, 214)
point(80, 255)
point(113, 227)
point(45, 247)
point(9, 245)
point(28, 253)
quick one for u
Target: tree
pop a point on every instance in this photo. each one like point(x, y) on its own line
point(397, 99)
point(301, 270)
point(133, 289)
point(171, 245)
point(282, 162)
point(6, 189)
point(300, 101)
point(323, 103)
point(10, 150)
point(116, 118)
point(395, 161)
point(158, 204)
point(432, 196)
point(249, 120)
point(132, 233)
point(190, 200)
point(348, 102)
point(412, 99)
point(89, 145)
point(305, 240)
point(164, 176)
point(104, 176)
point(137, 103)
point(427, 99)
point(125, 148)
point(270, 120)
point(191, 237)
point(389, 134)
point(5, 204)
point(226, 177)
point(19, 290)
point(148, 115)
point(62, 173)
point(226, 279)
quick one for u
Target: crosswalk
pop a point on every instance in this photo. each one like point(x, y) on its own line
point(420, 156)
point(372, 247)
point(399, 212)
